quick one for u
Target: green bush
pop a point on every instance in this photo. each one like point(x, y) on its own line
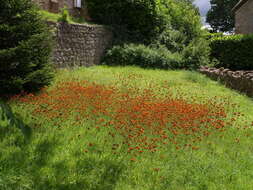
point(184, 34)
point(180, 16)
point(196, 54)
point(25, 48)
point(233, 52)
point(173, 40)
point(65, 17)
point(171, 24)
point(143, 56)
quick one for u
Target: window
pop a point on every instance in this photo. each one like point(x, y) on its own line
point(78, 3)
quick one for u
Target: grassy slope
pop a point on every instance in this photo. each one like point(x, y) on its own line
point(55, 158)
point(53, 17)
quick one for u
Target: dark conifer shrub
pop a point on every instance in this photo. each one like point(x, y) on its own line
point(25, 48)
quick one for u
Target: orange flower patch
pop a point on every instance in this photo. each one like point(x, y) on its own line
point(142, 120)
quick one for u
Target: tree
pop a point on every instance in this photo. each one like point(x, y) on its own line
point(137, 18)
point(25, 48)
point(174, 25)
point(220, 16)
point(146, 20)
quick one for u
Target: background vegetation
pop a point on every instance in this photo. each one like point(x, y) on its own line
point(220, 16)
point(143, 56)
point(233, 52)
point(162, 24)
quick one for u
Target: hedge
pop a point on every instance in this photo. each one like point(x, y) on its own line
point(209, 36)
point(143, 56)
point(234, 52)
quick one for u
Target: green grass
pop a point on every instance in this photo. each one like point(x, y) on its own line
point(57, 156)
point(54, 17)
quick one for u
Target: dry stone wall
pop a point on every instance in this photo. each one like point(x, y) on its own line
point(80, 45)
point(238, 80)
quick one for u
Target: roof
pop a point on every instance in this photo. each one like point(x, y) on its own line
point(239, 5)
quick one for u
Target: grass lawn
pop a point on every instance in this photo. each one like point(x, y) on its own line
point(104, 128)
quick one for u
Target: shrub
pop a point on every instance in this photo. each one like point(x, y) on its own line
point(180, 16)
point(233, 52)
point(173, 40)
point(196, 54)
point(64, 16)
point(143, 56)
point(25, 48)
point(172, 24)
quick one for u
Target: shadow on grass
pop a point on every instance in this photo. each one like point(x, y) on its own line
point(8, 119)
point(33, 161)
point(88, 174)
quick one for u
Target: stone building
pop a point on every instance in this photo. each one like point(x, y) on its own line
point(244, 17)
point(75, 7)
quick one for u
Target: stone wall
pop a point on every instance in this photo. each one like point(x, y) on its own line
point(42, 4)
point(238, 80)
point(80, 45)
point(244, 18)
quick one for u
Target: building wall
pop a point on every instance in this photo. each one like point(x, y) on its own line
point(244, 18)
point(80, 45)
point(55, 6)
point(44, 4)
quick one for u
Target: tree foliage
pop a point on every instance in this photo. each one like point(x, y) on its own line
point(171, 24)
point(139, 18)
point(25, 48)
point(147, 19)
point(220, 16)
